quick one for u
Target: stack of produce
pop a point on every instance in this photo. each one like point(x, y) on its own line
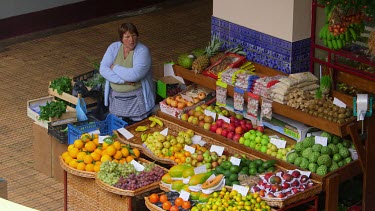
point(263, 85)
point(171, 201)
point(321, 159)
point(246, 81)
point(202, 156)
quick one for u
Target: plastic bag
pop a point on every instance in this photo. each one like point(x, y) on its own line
point(81, 109)
point(221, 94)
point(238, 100)
point(252, 104)
point(266, 110)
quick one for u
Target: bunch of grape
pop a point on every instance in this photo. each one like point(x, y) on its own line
point(126, 169)
point(144, 178)
point(108, 172)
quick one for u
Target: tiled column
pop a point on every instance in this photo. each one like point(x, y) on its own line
point(288, 52)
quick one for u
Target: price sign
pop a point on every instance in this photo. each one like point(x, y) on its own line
point(95, 132)
point(211, 177)
point(200, 169)
point(101, 139)
point(241, 189)
point(278, 142)
point(210, 113)
point(235, 161)
point(339, 103)
point(164, 132)
point(137, 166)
point(307, 173)
point(226, 119)
point(125, 133)
point(189, 149)
point(186, 97)
point(321, 140)
point(198, 140)
point(308, 134)
point(218, 149)
point(184, 195)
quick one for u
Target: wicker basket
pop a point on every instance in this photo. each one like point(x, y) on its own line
point(122, 192)
point(74, 171)
point(82, 193)
point(151, 206)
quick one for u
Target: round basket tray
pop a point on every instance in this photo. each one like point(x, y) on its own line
point(74, 171)
point(164, 187)
point(151, 206)
point(122, 192)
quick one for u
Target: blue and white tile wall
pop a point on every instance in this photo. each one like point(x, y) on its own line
point(273, 52)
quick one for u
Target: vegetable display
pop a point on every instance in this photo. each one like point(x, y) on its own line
point(52, 109)
point(62, 84)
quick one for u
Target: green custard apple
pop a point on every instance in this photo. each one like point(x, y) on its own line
point(304, 163)
point(298, 161)
point(317, 147)
point(314, 157)
point(324, 160)
point(299, 146)
point(326, 150)
point(292, 157)
point(313, 167)
point(322, 170)
point(334, 148)
point(306, 153)
point(344, 152)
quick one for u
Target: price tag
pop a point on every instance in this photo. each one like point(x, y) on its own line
point(164, 132)
point(307, 173)
point(241, 189)
point(188, 98)
point(184, 195)
point(339, 103)
point(137, 166)
point(198, 140)
point(101, 139)
point(95, 132)
point(235, 161)
point(218, 149)
point(200, 169)
point(189, 149)
point(226, 119)
point(308, 134)
point(211, 177)
point(321, 140)
point(278, 142)
point(125, 133)
point(210, 113)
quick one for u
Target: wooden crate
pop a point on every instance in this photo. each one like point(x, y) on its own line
point(71, 98)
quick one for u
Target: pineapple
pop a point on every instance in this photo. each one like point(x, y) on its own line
point(202, 62)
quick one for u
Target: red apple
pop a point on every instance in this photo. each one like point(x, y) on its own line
point(225, 125)
point(249, 126)
point(295, 190)
point(270, 195)
point(242, 122)
point(231, 127)
point(281, 195)
point(285, 185)
point(224, 132)
point(230, 135)
point(260, 129)
point(219, 122)
point(310, 185)
point(236, 137)
point(295, 183)
point(296, 174)
point(232, 118)
point(287, 177)
point(213, 128)
point(239, 130)
point(219, 130)
point(276, 188)
point(268, 175)
point(262, 193)
point(304, 179)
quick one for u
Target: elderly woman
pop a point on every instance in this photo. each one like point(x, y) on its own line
point(126, 65)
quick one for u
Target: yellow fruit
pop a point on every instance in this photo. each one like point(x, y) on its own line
point(96, 141)
point(71, 146)
point(95, 136)
point(98, 163)
point(81, 166)
point(78, 144)
point(81, 155)
point(104, 152)
point(111, 150)
point(136, 152)
point(118, 155)
point(95, 156)
point(99, 151)
point(88, 159)
point(73, 152)
point(105, 145)
point(125, 152)
point(90, 167)
point(64, 155)
point(68, 159)
point(96, 168)
point(115, 161)
point(105, 158)
point(117, 145)
point(86, 137)
point(123, 160)
point(90, 146)
point(73, 163)
point(129, 158)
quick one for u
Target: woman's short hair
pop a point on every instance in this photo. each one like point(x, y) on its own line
point(127, 27)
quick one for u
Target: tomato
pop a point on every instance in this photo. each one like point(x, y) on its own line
point(186, 205)
point(174, 208)
point(167, 205)
point(178, 201)
point(163, 198)
point(154, 198)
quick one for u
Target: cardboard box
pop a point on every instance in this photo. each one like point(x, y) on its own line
point(57, 150)
point(167, 83)
point(3, 189)
point(42, 148)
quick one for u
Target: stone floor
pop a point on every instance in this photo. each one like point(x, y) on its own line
point(28, 62)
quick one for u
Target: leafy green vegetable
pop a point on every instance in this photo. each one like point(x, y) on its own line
point(62, 84)
point(95, 80)
point(52, 109)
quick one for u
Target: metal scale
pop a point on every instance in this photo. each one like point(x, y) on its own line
point(362, 107)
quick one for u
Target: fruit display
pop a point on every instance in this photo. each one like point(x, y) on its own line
point(153, 122)
point(171, 201)
point(321, 159)
point(232, 200)
point(203, 61)
point(202, 156)
point(192, 96)
point(86, 154)
point(261, 142)
point(282, 184)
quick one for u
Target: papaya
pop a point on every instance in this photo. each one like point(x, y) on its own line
point(177, 185)
point(195, 195)
point(186, 188)
point(176, 171)
point(199, 178)
point(203, 198)
point(213, 182)
point(167, 178)
point(188, 173)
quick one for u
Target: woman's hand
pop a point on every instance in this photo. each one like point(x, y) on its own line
point(112, 66)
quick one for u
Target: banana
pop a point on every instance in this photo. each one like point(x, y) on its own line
point(153, 124)
point(154, 119)
point(334, 44)
point(354, 35)
point(347, 36)
point(144, 137)
point(141, 128)
point(339, 44)
point(329, 44)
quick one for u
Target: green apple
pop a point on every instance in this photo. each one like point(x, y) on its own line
point(173, 141)
point(263, 149)
point(274, 148)
point(247, 135)
point(252, 144)
point(247, 142)
point(242, 140)
point(167, 144)
point(258, 146)
point(264, 142)
point(257, 140)
point(188, 141)
point(268, 152)
point(279, 156)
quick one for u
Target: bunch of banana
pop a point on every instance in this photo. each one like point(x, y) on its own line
point(144, 137)
point(141, 128)
point(341, 40)
point(154, 120)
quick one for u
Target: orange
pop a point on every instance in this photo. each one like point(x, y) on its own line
point(104, 152)
point(81, 155)
point(111, 150)
point(118, 155)
point(97, 168)
point(117, 145)
point(115, 161)
point(68, 159)
point(95, 156)
point(71, 146)
point(98, 163)
point(125, 152)
point(178, 201)
point(105, 145)
point(90, 167)
point(73, 163)
point(174, 208)
point(177, 160)
point(88, 159)
point(163, 198)
point(90, 146)
point(78, 144)
point(81, 166)
point(129, 158)
point(183, 159)
point(64, 155)
point(86, 137)
point(73, 152)
point(95, 136)
point(187, 154)
point(106, 158)
point(167, 205)
point(136, 152)
point(123, 160)
point(154, 198)
point(186, 205)
point(99, 151)
point(96, 141)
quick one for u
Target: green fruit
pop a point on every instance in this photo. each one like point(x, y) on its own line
point(298, 161)
point(236, 182)
point(326, 134)
point(185, 61)
point(308, 142)
point(344, 152)
point(304, 163)
point(228, 182)
point(292, 157)
point(252, 165)
point(334, 148)
point(339, 145)
point(271, 169)
point(348, 160)
point(325, 160)
point(326, 150)
point(346, 143)
point(314, 157)
point(341, 163)
point(258, 162)
point(299, 146)
point(335, 140)
point(306, 153)
point(313, 167)
point(235, 169)
point(245, 170)
point(317, 147)
point(337, 157)
point(268, 164)
point(322, 170)
point(226, 164)
point(260, 169)
point(219, 169)
point(253, 171)
point(227, 173)
point(334, 166)
point(233, 177)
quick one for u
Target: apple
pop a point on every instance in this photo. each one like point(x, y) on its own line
point(173, 141)
point(208, 119)
point(295, 190)
point(285, 185)
point(244, 128)
point(270, 195)
point(207, 126)
point(304, 179)
point(188, 141)
point(310, 185)
point(167, 144)
point(239, 130)
point(219, 122)
point(214, 164)
point(185, 117)
point(249, 126)
point(232, 119)
point(213, 128)
point(225, 125)
point(195, 121)
point(190, 119)
point(207, 159)
point(287, 177)
point(263, 149)
point(194, 156)
point(194, 162)
point(200, 158)
point(241, 141)
point(201, 123)
point(275, 188)
point(268, 175)
point(201, 117)
point(296, 174)
point(208, 165)
point(201, 95)
point(188, 160)
point(262, 193)
point(214, 156)
point(230, 135)
point(224, 132)
point(257, 147)
point(225, 112)
point(219, 130)
point(252, 144)
point(281, 195)
point(260, 128)
point(236, 137)
point(231, 127)
point(295, 183)
point(242, 122)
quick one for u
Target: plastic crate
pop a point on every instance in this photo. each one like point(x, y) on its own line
point(85, 76)
point(106, 127)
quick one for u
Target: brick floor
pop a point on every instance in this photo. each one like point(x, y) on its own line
point(28, 62)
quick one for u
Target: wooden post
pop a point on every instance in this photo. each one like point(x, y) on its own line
point(353, 131)
point(332, 192)
point(368, 198)
point(65, 191)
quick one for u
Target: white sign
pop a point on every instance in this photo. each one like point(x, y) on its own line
point(211, 177)
point(95, 132)
point(189, 149)
point(101, 139)
point(218, 149)
point(164, 132)
point(339, 103)
point(226, 119)
point(235, 161)
point(125, 133)
point(241, 189)
point(184, 195)
point(278, 142)
point(188, 98)
point(200, 169)
point(198, 140)
point(137, 166)
point(210, 113)
point(308, 134)
point(321, 140)
point(307, 173)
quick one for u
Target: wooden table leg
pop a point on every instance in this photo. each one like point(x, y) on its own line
point(130, 203)
point(368, 198)
point(332, 192)
point(65, 191)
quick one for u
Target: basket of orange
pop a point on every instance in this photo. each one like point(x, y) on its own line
point(167, 201)
point(84, 157)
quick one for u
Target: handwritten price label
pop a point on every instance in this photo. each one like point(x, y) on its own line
point(321, 140)
point(210, 113)
point(339, 103)
point(198, 140)
point(200, 169)
point(235, 161)
point(218, 149)
point(189, 149)
point(184, 195)
point(137, 166)
point(241, 189)
point(125, 133)
point(226, 119)
point(164, 132)
point(101, 139)
point(278, 142)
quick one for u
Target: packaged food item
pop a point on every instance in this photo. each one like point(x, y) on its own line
point(266, 109)
point(252, 104)
point(229, 60)
point(238, 100)
point(221, 93)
